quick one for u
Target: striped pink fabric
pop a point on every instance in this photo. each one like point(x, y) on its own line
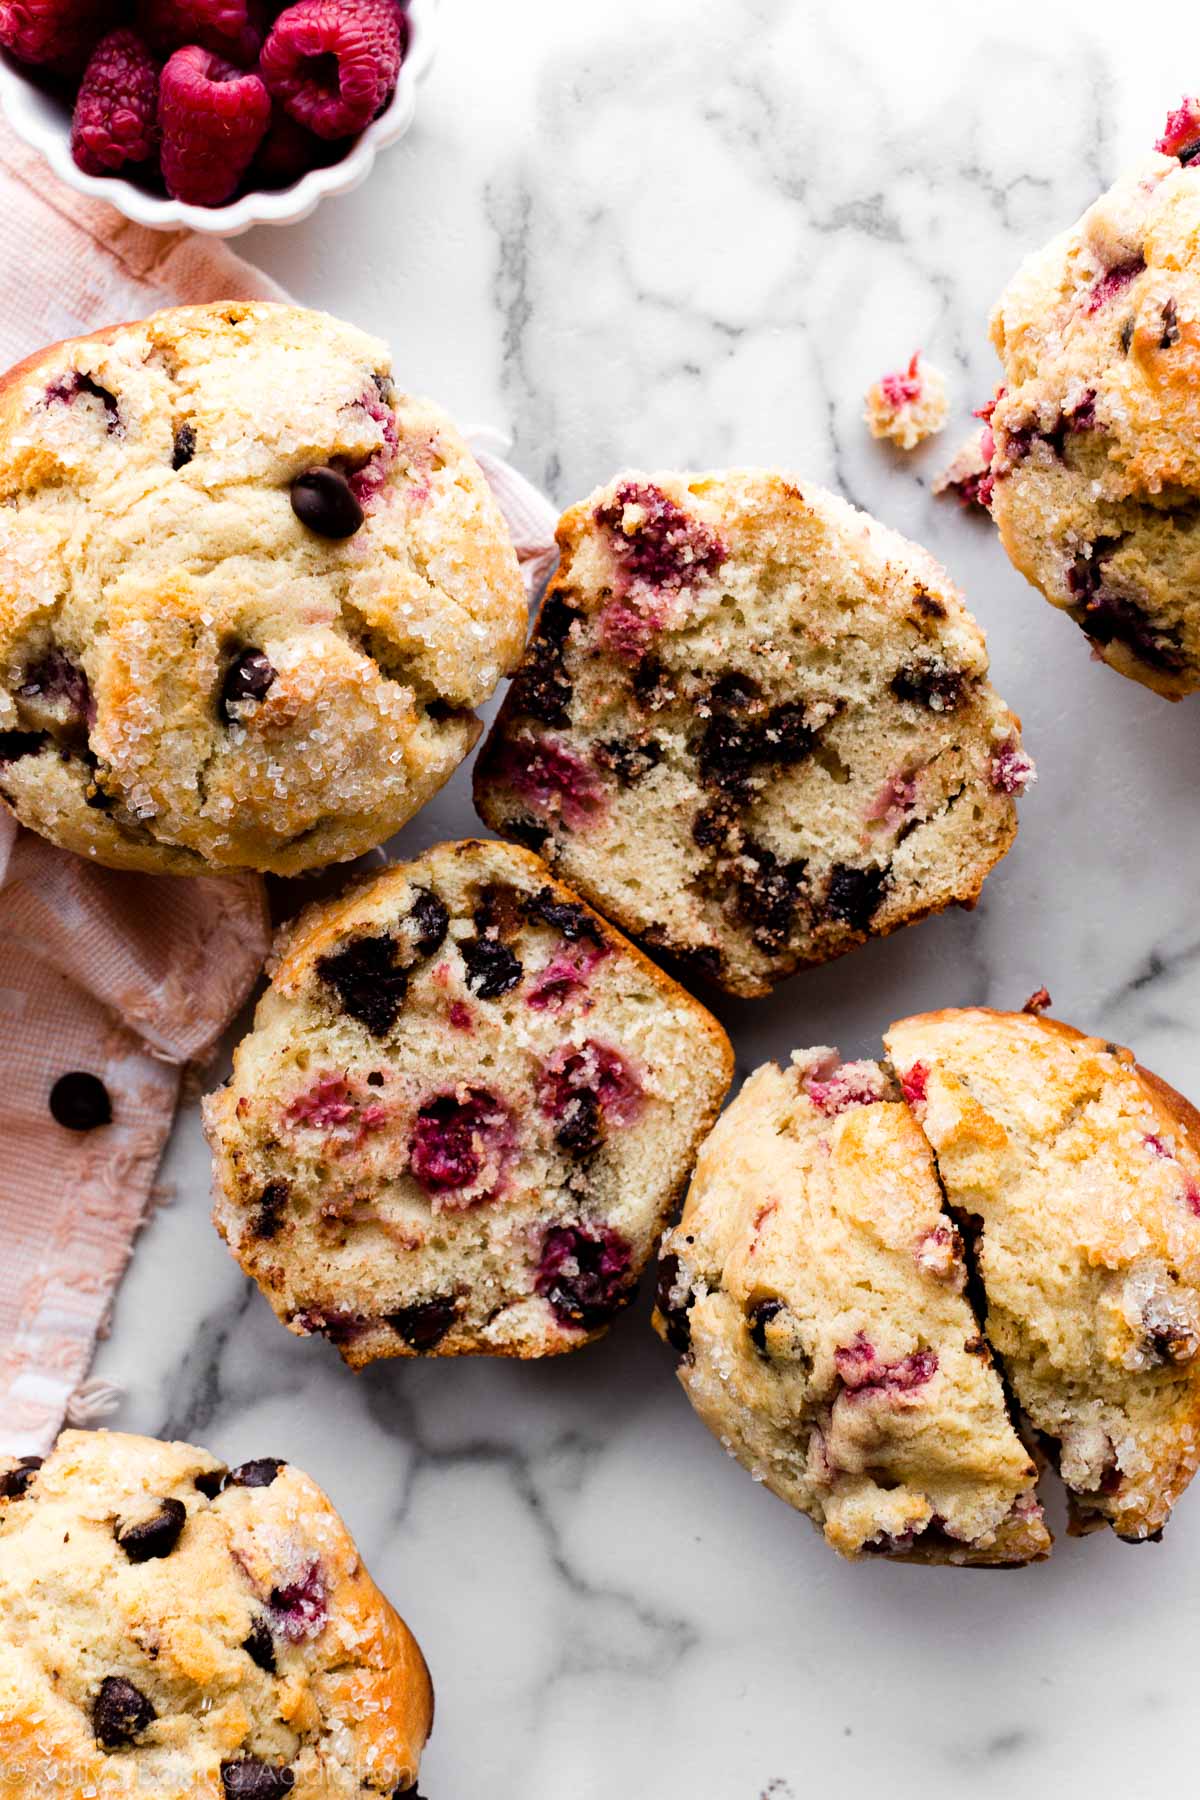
point(128, 977)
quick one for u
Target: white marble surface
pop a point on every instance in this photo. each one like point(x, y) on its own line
point(677, 233)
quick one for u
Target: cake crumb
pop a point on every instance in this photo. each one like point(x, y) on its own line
point(908, 405)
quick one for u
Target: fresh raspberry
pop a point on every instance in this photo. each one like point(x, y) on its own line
point(56, 33)
point(213, 118)
point(232, 28)
point(287, 152)
point(116, 109)
point(333, 63)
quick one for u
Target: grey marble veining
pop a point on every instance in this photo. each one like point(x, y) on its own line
point(680, 234)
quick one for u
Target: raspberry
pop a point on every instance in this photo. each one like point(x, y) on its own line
point(57, 33)
point(332, 64)
point(232, 28)
point(287, 152)
point(213, 118)
point(116, 109)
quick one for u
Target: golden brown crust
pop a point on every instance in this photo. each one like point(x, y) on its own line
point(344, 1700)
point(377, 646)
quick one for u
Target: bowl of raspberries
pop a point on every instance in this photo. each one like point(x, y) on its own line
point(212, 115)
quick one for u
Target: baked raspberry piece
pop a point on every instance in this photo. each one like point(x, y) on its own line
point(1181, 134)
point(116, 110)
point(333, 64)
point(213, 117)
point(231, 28)
point(499, 1102)
point(752, 726)
point(816, 1290)
point(55, 34)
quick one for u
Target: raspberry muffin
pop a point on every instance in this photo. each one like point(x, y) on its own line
point(462, 1116)
point(1095, 451)
point(176, 1628)
point(249, 593)
point(815, 1289)
point(754, 727)
point(1075, 1175)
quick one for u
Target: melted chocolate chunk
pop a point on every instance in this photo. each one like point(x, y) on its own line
point(424, 1325)
point(574, 921)
point(184, 447)
point(272, 1204)
point(758, 1318)
point(492, 969)
point(768, 896)
point(148, 1540)
point(249, 677)
point(211, 1481)
point(630, 759)
point(249, 1779)
point(541, 687)
point(430, 920)
point(259, 1473)
point(855, 895)
point(367, 981)
point(929, 683)
point(120, 1713)
point(676, 1318)
point(260, 1646)
point(15, 1482)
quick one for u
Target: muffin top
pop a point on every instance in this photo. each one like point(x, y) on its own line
point(178, 1628)
point(249, 592)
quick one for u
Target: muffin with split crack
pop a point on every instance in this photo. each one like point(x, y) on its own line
point(464, 1112)
point(1094, 453)
point(1076, 1175)
point(753, 726)
point(815, 1290)
point(249, 593)
point(177, 1628)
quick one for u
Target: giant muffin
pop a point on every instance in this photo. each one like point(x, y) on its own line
point(249, 593)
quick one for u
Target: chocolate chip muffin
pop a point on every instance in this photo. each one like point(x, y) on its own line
point(1075, 1175)
point(753, 726)
point(176, 1628)
point(1095, 456)
point(815, 1290)
point(249, 593)
point(464, 1111)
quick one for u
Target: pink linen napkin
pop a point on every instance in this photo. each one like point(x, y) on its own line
point(126, 977)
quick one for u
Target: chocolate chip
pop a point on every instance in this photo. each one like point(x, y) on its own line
point(366, 980)
point(149, 1539)
point(929, 683)
point(1111, 618)
point(248, 678)
point(1171, 333)
point(211, 1481)
point(651, 686)
point(79, 1101)
point(735, 691)
point(500, 910)
point(257, 1474)
point(630, 759)
point(249, 1779)
point(567, 916)
point(1127, 331)
point(431, 920)
point(727, 753)
point(16, 744)
point(15, 1482)
point(260, 1646)
point(525, 831)
point(375, 1078)
point(492, 969)
point(541, 686)
point(579, 1130)
point(759, 1317)
point(184, 447)
point(272, 1204)
point(768, 896)
point(675, 1318)
point(855, 895)
point(424, 1325)
point(120, 1713)
point(322, 499)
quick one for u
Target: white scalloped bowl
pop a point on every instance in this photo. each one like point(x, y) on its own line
point(45, 123)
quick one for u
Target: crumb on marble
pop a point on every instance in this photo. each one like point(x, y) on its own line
point(908, 405)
